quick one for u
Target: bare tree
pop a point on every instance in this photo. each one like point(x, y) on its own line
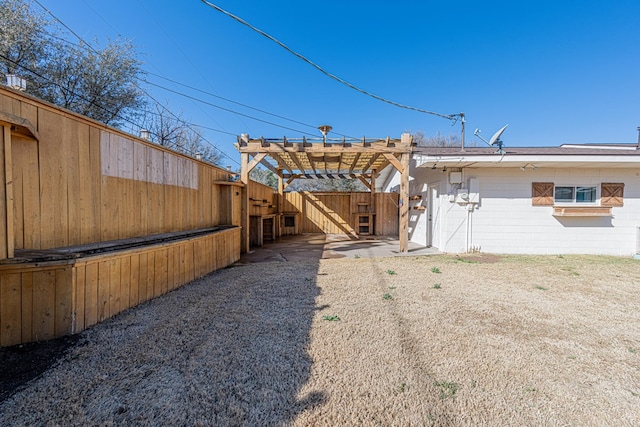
point(336, 184)
point(171, 131)
point(100, 84)
point(97, 83)
point(437, 140)
point(24, 42)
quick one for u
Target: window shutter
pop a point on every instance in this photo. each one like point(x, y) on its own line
point(611, 194)
point(542, 194)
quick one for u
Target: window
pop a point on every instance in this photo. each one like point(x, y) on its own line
point(547, 194)
point(289, 221)
point(566, 194)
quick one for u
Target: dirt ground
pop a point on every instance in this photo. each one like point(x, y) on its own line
point(425, 340)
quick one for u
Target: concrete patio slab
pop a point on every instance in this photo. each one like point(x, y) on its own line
point(325, 246)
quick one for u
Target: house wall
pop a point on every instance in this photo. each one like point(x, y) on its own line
point(505, 221)
point(423, 182)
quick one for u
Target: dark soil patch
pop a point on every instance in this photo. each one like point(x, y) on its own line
point(26, 362)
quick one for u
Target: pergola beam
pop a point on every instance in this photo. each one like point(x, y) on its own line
point(257, 159)
point(355, 162)
point(326, 175)
point(281, 162)
point(269, 166)
point(297, 162)
point(311, 162)
point(356, 156)
point(365, 182)
point(394, 161)
point(244, 210)
point(372, 147)
point(374, 158)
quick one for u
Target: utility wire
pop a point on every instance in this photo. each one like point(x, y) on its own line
point(184, 122)
point(178, 47)
point(453, 117)
point(140, 88)
point(35, 73)
point(89, 46)
point(239, 103)
point(223, 108)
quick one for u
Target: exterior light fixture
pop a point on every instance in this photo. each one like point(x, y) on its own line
point(199, 156)
point(324, 129)
point(145, 134)
point(15, 82)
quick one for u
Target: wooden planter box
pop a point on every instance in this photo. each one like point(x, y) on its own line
point(44, 300)
point(581, 211)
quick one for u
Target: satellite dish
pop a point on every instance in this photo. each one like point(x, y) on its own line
point(495, 139)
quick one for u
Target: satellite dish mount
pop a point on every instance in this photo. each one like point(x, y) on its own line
point(495, 139)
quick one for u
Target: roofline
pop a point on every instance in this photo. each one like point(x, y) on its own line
point(508, 160)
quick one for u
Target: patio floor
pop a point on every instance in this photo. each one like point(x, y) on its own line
point(317, 246)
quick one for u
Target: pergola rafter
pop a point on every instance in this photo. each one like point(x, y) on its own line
point(327, 159)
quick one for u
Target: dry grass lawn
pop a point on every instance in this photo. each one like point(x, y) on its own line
point(405, 341)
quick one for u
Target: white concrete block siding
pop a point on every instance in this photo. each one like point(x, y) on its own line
point(506, 222)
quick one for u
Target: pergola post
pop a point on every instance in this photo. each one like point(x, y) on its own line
point(372, 189)
point(280, 202)
point(304, 159)
point(404, 203)
point(244, 212)
point(6, 193)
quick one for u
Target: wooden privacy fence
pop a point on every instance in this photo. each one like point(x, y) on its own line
point(344, 213)
point(355, 214)
point(66, 180)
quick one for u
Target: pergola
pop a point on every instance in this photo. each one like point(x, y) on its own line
point(292, 159)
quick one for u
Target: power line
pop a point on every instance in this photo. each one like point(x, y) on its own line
point(178, 47)
point(147, 72)
point(240, 103)
point(89, 46)
point(109, 111)
point(223, 108)
point(185, 122)
point(35, 73)
point(325, 72)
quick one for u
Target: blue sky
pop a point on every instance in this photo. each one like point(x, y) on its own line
point(555, 71)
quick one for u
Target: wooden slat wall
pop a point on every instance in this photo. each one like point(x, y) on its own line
point(63, 197)
point(257, 194)
point(4, 212)
point(333, 213)
point(387, 220)
point(42, 302)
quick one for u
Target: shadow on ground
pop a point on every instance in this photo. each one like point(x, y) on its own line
point(228, 349)
point(26, 362)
